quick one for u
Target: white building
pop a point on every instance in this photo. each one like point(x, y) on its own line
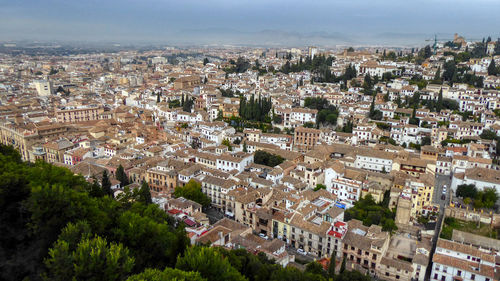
point(457, 261)
point(43, 87)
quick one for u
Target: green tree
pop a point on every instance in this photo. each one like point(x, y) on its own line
point(153, 243)
point(492, 69)
point(205, 61)
point(158, 99)
point(121, 176)
point(331, 265)
point(266, 158)
point(439, 104)
point(192, 191)
point(209, 263)
point(95, 189)
point(93, 259)
point(437, 77)
point(343, 265)
point(319, 186)
point(245, 149)
point(106, 183)
point(315, 268)
point(488, 135)
point(167, 274)
point(227, 143)
point(188, 104)
point(145, 193)
point(467, 190)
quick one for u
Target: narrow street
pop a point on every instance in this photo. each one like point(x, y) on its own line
point(441, 181)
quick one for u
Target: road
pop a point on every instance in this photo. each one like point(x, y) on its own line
point(213, 215)
point(441, 181)
point(438, 190)
point(293, 251)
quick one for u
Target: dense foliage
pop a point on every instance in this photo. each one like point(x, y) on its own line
point(369, 212)
point(51, 228)
point(266, 158)
point(480, 198)
point(241, 65)
point(256, 110)
point(192, 191)
point(327, 113)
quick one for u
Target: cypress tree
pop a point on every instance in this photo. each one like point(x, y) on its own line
point(437, 77)
point(145, 193)
point(106, 184)
point(342, 266)
point(331, 265)
point(122, 176)
point(492, 69)
point(439, 104)
point(95, 189)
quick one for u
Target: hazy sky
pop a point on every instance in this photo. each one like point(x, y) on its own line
point(248, 21)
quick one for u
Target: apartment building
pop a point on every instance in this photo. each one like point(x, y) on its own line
point(187, 82)
point(217, 189)
point(55, 150)
point(345, 183)
point(305, 139)
point(74, 114)
point(295, 117)
point(236, 161)
point(23, 138)
point(374, 160)
point(162, 177)
point(365, 246)
point(455, 260)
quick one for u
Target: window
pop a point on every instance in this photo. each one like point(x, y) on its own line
point(459, 273)
point(473, 277)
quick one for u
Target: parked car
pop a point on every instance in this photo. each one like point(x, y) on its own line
point(443, 196)
point(302, 252)
point(262, 235)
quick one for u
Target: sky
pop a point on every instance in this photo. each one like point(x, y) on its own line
point(249, 22)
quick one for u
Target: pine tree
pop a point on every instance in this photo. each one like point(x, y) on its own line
point(145, 193)
point(245, 146)
point(158, 97)
point(106, 184)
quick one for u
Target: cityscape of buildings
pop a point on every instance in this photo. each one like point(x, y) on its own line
point(379, 158)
